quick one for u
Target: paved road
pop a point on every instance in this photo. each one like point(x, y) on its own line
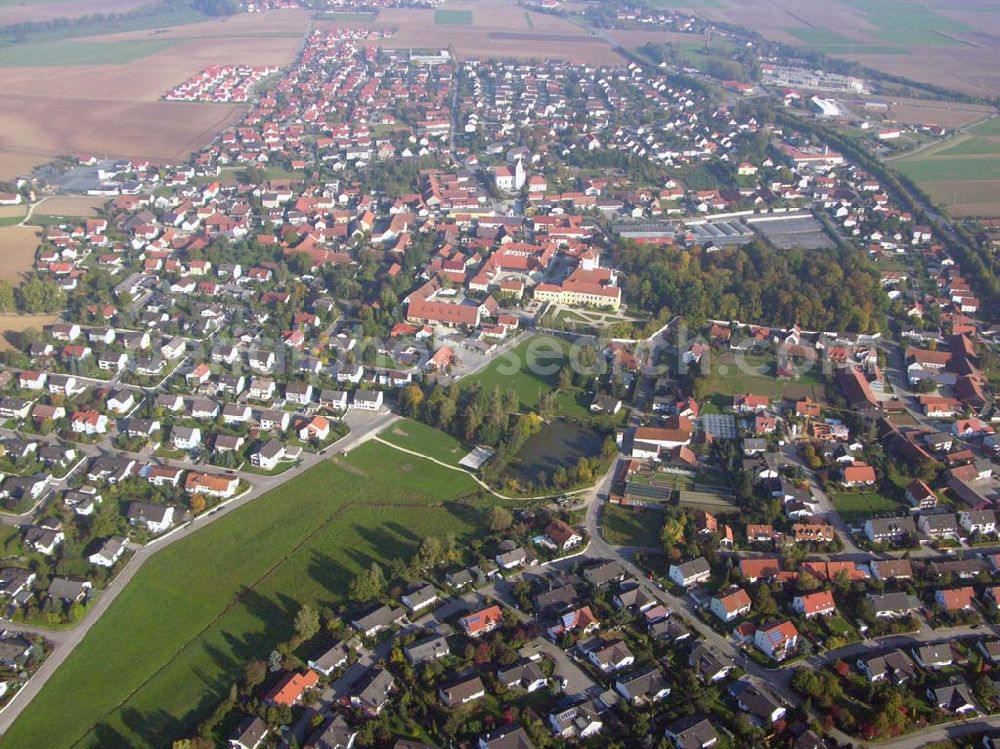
point(363, 428)
point(823, 501)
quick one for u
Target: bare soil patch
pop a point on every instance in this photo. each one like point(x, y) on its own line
point(75, 205)
point(17, 251)
point(929, 112)
point(973, 198)
point(21, 323)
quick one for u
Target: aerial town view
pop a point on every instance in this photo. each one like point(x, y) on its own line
point(499, 374)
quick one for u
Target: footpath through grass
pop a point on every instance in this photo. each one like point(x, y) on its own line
point(166, 651)
point(424, 439)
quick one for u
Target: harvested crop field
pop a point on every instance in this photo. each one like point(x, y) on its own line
point(978, 198)
point(21, 323)
point(82, 206)
point(45, 127)
point(946, 114)
point(17, 251)
point(114, 109)
point(946, 44)
point(498, 29)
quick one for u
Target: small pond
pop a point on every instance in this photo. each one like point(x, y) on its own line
point(560, 443)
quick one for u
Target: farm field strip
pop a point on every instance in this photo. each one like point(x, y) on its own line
point(230, 592)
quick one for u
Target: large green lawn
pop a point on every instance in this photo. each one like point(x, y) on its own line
point(854, 506)
point(414, 435)
point(169, 647)
point(530, 369)
point(755, 374)
point(80, 53)
point(629, 526)
point(950, 168)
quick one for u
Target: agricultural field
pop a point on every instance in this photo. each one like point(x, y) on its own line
point(12, 214)
point(942, 43)
point(962, 173)
point(502, 27)
point(947, 114)
point(19, 244)
point(971, 147)
point(942, 168)
point(27, 11)
point(70, 206)
point(416, 436)
point(453, 17)
point(341, 16)
point(201, 607)
point(860, 505)
point(100, 94)
point(49, 54)
point(965, 199)
point(988, 128)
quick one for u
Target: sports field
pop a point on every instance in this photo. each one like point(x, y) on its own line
point(166, 652)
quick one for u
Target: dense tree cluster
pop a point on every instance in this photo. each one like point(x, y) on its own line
point(818, 289)
point(216, 7)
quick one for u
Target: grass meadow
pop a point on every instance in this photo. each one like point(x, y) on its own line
point(166, 651)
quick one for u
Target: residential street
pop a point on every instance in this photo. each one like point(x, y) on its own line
point(779, 679)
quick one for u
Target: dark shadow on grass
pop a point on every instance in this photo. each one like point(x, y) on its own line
point(388, 543)
point(331, 574)
point(470, 514)
point(155, 728)
point(109, 738)
point(403, 532)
